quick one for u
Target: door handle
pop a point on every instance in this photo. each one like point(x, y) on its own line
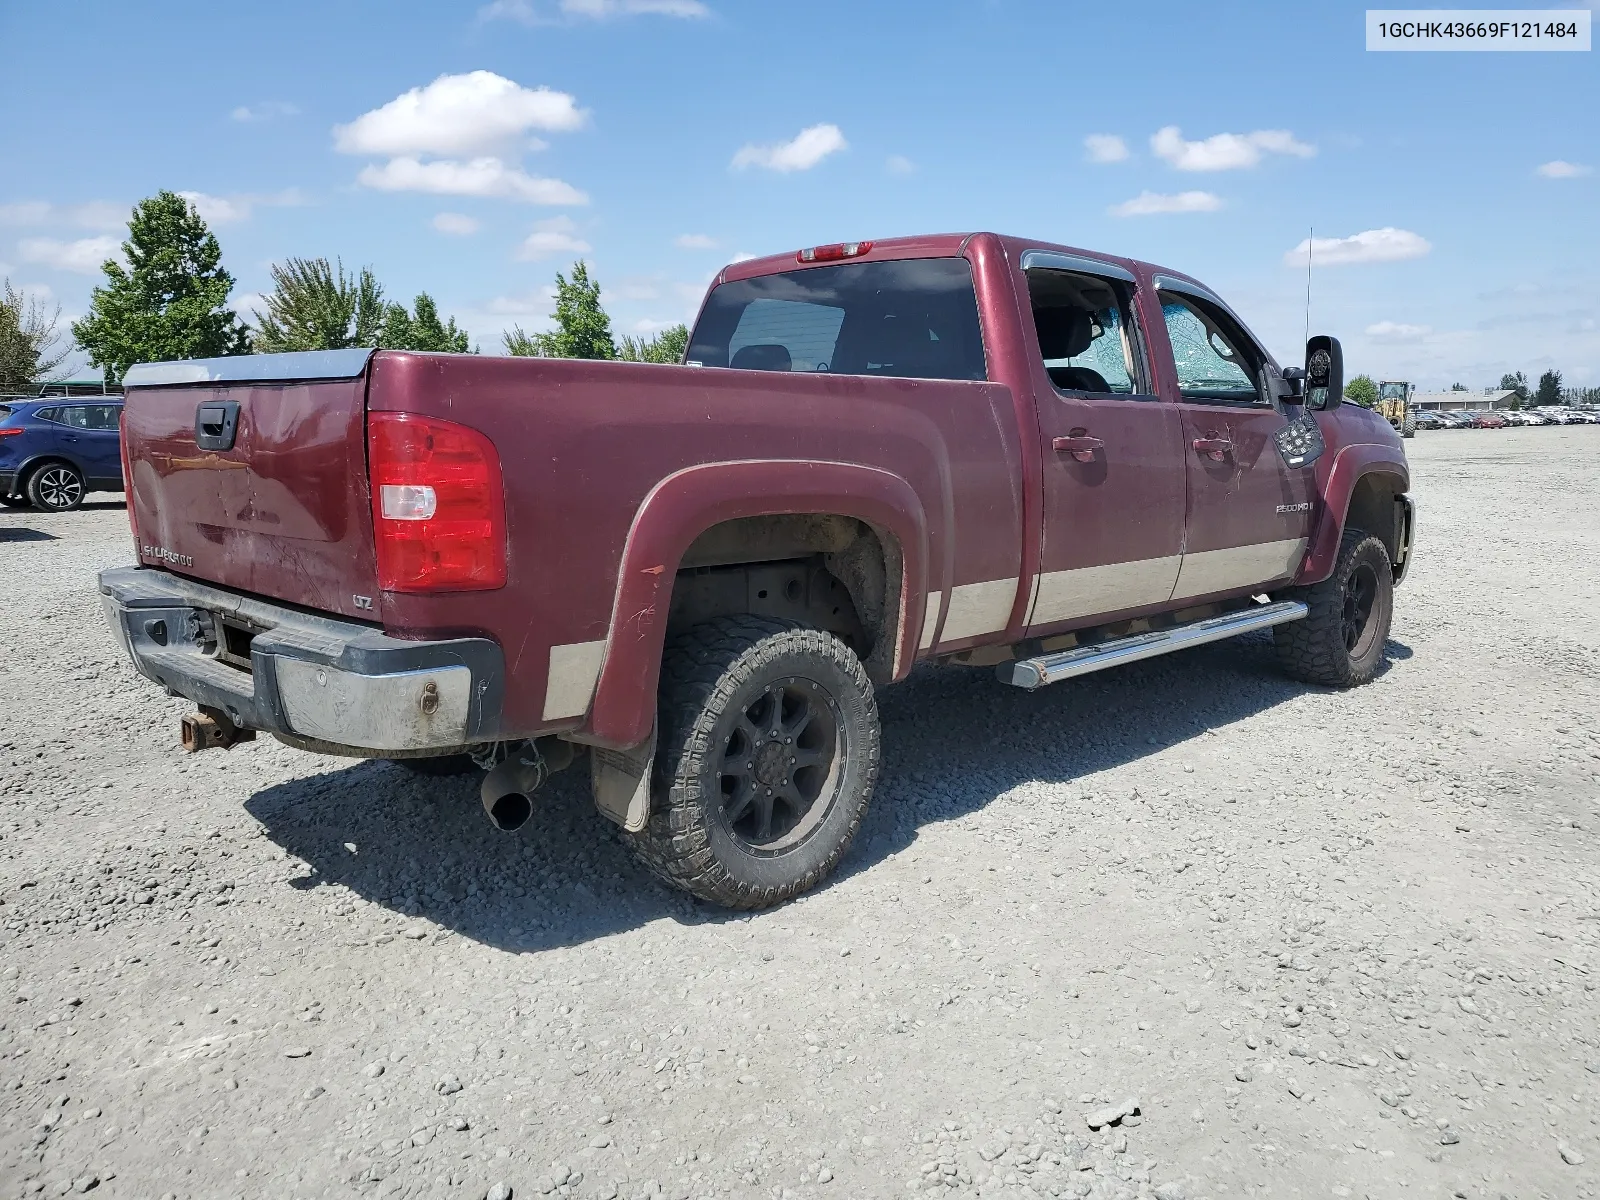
point(1215, 448)
point(1081, 446)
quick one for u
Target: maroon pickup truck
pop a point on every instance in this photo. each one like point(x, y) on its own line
point(966, 448)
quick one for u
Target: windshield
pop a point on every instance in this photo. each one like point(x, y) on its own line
point(912, 318)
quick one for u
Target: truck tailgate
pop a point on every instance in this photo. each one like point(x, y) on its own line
point(284, 512)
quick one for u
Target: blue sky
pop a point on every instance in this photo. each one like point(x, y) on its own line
point(472, 150)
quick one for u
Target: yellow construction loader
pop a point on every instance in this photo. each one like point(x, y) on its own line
point(1394, 403)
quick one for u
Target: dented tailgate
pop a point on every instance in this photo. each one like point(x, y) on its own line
point(256, 484)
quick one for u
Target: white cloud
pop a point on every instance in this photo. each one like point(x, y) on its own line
point(1395, 331)
point(249, 305)
point(808, 147)
point(265, 111)
point(637, 287)
point(458, 114)
point(455, 224)
point(1147, 204)
point(695, 241)
point(1369, 246)
point(899, 164)
point(83, 256)
point(1105, 148)
point(534, 304)
point(1560, 169)
point(1225, 151)
point(94, 214)
point(744, 256)
point(488, 177)
point(228, 210)
point(555, 236)
point(529, 13)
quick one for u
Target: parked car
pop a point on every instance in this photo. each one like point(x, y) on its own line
point(1488, 420)
point(1454, 419)
point(978, 449)
point(55, 452)
point(1430, 420)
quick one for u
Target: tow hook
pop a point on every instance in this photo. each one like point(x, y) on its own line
point(210, 728)
point(508, 788)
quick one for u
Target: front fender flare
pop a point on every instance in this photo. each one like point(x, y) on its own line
point(686, 504)
point(1349, 466)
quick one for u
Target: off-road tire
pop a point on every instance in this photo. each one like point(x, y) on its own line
point(57, 487)
point(1316, 649)
point(438, 766)
point(711, 675)
point(1408, 425)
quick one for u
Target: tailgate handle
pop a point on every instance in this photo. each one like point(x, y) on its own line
point(216, 424)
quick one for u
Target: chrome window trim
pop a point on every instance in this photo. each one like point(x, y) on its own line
point(1168, 283)
point(1051, 260)
point(251, 368)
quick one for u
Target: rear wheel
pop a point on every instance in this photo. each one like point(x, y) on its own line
point(1408, 426)
point(766, 761)
point(56, 487)
point(1340, 641)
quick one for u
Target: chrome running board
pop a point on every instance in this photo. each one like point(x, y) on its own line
point(1031, 673)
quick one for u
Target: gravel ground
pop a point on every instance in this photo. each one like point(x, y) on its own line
point(1303, 942)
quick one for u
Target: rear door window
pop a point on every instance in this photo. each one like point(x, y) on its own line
point(1087, 334)
point(911, 318)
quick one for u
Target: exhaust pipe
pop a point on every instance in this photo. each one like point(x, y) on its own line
point(507, 790)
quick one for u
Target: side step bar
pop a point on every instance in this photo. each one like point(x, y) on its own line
point(1031, 673)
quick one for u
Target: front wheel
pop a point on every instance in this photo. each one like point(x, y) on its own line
point(1340, 641)
point(766, 761)
point(1408, 427)
point(56, 487)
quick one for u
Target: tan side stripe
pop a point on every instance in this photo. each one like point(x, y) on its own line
point(1238, 566)
point(930, 619)
point(574, 669)
point(978, 608)
point(1086, 591)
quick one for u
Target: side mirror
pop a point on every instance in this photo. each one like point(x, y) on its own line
point(1324, 372)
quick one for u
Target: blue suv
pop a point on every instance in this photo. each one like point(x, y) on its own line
point(55, 451)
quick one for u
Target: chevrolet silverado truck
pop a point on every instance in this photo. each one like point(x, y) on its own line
point(968, 449)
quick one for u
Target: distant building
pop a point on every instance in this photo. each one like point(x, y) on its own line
point(1450, 401)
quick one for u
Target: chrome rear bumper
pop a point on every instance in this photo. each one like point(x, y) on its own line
point(277, 669)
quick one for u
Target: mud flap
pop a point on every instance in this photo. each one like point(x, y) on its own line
point(621, 780)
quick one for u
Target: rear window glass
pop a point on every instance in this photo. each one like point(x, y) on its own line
point(912, 318)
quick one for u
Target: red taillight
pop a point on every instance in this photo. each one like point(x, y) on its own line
point(834, 251)
point(12, 432)
point(438, 509)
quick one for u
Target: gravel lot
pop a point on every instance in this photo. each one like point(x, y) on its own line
point(1330, 944)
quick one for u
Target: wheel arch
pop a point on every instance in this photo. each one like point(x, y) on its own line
point(1360, 491)
point(683, 508)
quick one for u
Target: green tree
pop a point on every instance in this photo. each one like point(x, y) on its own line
point(1362, 390)
point(314, 305)
point(29, 352)
point(583, 330)
point(170, 301)
point(425, 331)
point(1549, 388)
point(1458, 387)
point(667, 346)
point(1517, 383)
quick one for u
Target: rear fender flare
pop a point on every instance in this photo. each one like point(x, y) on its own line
point(1350, 465)
point(690, 501)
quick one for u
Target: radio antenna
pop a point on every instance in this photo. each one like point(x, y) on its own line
point(1309, 240)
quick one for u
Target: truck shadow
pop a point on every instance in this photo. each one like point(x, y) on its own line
point(953, 740)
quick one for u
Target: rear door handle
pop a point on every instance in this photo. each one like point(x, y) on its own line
point(1214, 448)
point(1081, 446)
